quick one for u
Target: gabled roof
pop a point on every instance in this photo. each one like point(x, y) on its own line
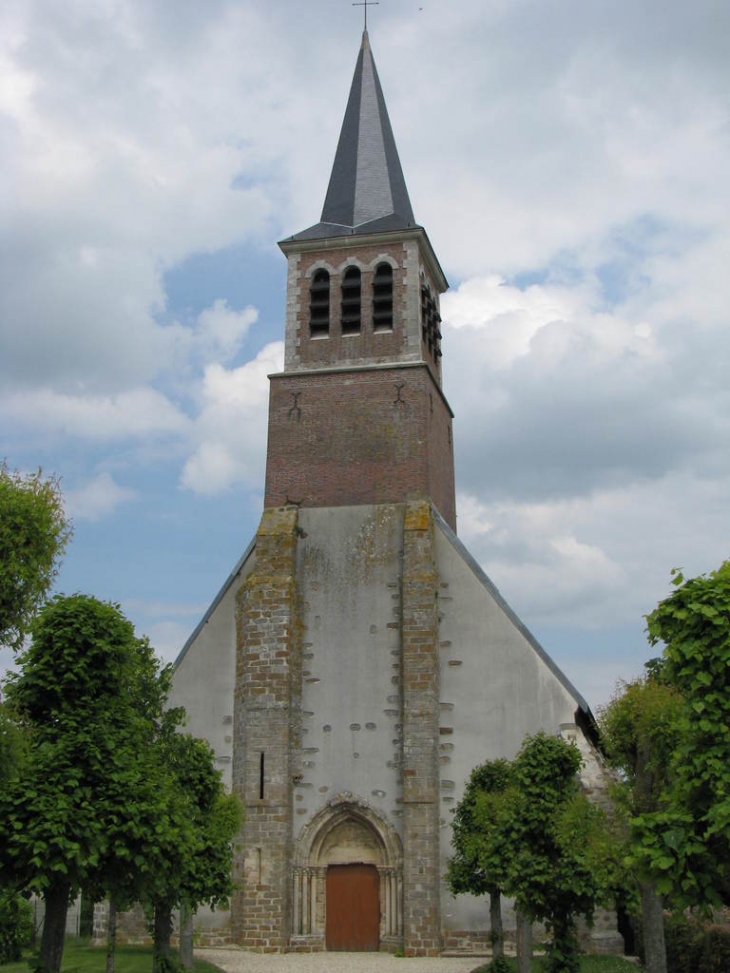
point(367, 192)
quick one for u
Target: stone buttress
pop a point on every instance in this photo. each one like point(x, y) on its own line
point(266, 723)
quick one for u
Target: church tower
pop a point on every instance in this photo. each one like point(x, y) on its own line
point(358, 416)
point(358, 663)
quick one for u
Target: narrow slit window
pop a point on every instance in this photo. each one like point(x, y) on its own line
point(261, 777)
point(383, 298)
point(319, 305)
point(351, 301)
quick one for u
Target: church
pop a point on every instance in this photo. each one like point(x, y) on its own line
point(358, 663)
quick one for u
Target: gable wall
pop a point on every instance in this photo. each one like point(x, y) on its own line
point(495, 689)
point(205, 674)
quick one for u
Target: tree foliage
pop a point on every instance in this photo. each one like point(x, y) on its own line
point(558, 866)
point(532, 832)
point(90, 695)
point(478, 866)
point(192, 862)
point(34, 531)
point(669, 735)
point(640, 730)
point(694, 624)
point(13, 746)
point(16, 925)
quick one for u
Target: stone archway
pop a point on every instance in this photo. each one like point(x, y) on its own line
point(345, 832)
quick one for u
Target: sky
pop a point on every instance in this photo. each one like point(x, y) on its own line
point(570, 162)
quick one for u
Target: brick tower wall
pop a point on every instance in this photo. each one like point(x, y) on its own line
point(359, 436)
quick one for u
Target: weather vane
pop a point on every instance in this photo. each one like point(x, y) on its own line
point(366, 4)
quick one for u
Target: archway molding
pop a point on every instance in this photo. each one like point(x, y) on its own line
point(347, 830)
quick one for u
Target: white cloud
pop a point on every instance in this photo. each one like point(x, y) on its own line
point(558, 391)
point(140, 413)
point(229, 429)
point(222, 331)
point(166, 637)
point(602, 559)
point(96, 499)
point(152, 609)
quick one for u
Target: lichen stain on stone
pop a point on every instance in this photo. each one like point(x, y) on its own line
point(418, 515)
point(314, 564)
point(373, 544)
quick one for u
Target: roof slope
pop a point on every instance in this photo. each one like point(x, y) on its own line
point(367, 191)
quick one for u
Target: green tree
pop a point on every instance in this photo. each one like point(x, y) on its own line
point(640, 729)
point(694, 624)
point(478, 866)
point(90, 695)
point(13, 746)
point(558, 869)
point(192, 863)
point(16, 925)
point(34, 531)
point(532, 833)
point(16, 919)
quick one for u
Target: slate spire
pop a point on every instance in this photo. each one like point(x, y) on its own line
point(367, 192)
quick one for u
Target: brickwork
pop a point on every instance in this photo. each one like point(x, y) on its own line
point(413, 263)
point(267, 722)
point(368, 345)
point(420, 646)
point(342, 438)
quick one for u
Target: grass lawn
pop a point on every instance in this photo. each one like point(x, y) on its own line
point(92, 959)
point(588, 964)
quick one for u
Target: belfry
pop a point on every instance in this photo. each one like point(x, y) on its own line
point(358, 663)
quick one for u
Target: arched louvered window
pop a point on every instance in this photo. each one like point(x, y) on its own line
point(351, 301)
point(430, 323)
point(319, 305)
point(383, 298)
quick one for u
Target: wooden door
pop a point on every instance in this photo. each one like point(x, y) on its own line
point(353, 908)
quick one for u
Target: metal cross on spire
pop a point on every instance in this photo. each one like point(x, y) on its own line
point(366, 4)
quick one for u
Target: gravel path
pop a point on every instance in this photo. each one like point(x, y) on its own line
point(239, 961)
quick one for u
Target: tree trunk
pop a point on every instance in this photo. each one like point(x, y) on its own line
point(186, 937)
point(86, 918)
point(111, 935)
point(161, 934)
point(495, 922)
point(652, 922)
point(524, 943)
point(563, 953)
point(54, 926)
point(652, 915)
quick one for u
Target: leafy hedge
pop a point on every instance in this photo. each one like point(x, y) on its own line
point(16, 925)
point(696, 948)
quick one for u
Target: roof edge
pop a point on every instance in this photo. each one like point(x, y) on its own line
point(214, 604)
point(293, 244)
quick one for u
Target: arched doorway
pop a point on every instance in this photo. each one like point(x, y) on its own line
point(348, 880)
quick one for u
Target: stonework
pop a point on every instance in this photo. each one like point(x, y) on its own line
point(421, 698)
point(266, 732)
